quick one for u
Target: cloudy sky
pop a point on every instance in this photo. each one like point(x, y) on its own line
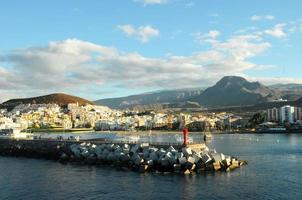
point(109, 48)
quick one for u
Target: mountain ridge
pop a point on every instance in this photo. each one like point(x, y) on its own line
point(145, 99)
point(228, 91)
point(235, 90)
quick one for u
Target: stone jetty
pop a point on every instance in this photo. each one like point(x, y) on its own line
point(141, 157)
point(146, 158)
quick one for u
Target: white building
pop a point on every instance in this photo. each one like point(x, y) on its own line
point(287, 114)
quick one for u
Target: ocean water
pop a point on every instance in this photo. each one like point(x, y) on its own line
point(274, 171)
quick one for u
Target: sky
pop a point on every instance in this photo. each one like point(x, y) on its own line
point(110, 48)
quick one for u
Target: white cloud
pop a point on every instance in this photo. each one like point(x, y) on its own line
point(151, 2)
point(74, 65)
point(207, 37)
point(213, 34)
point(142, 33)
point(277, 31)
point(127, 28)
point(261, 17)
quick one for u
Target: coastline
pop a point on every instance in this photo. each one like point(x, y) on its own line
point(158, 132)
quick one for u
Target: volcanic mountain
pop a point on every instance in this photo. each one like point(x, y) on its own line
point(56, 98)
point(235, 91)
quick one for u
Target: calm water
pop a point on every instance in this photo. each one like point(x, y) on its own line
point(274, 172)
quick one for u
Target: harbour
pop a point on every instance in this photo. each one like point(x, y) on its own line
point(273, 172)
point(185, 158)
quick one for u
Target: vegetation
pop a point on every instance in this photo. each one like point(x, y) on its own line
point(257, 119)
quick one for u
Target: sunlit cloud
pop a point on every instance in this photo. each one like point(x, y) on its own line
point(262, 17)
point(142, 33)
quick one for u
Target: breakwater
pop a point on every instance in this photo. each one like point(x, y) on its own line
point(142, 157)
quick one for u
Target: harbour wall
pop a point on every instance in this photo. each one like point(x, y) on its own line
point(143, 157)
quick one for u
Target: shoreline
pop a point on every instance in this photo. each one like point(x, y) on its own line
point(156, 132)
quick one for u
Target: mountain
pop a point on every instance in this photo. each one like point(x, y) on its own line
point(165, 97)
point(257, 107)
point(286, 87)
point(291, 92)
point(57, 98)
point(235, 91)
point(299, 102)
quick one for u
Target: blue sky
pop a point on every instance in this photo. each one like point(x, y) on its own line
point(105, 48)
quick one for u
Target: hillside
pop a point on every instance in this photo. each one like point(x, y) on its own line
point(291, 92)
point(57, 98)
point(235, 91)
point(257, 107)
point(146, 99)
point(228, 92)
point(298, 102)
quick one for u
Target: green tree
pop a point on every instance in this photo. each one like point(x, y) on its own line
point(257, 119)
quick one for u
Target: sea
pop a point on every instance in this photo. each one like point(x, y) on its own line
point(274, 171)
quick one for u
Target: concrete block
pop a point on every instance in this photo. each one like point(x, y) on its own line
point(153, 156)
point(171, 159)
point(182, 160)
point(135, 148)
point(161, 152)
point(228, 160)
point(186, 151)
point(124, 157)
point(138, 161)
point(143, 145)
point(222, 156)
point(149, 162)
point(164, 162)
point(209, 166)
point(196, 157)
point(235, 163)
point(206, 158)
point(179, 155)
point(143, 168)
point(176, 167)
point(125, 146)
point(212, 151)
point(217, 157)
point(216, 166)
point(152, 149)
point(171, 149)
point(191, 159)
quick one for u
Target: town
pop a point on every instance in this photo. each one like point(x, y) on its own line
point(52, 117)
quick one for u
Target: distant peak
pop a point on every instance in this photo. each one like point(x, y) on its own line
point(232, 80)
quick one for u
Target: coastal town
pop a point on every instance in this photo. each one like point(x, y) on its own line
point(52, 117)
